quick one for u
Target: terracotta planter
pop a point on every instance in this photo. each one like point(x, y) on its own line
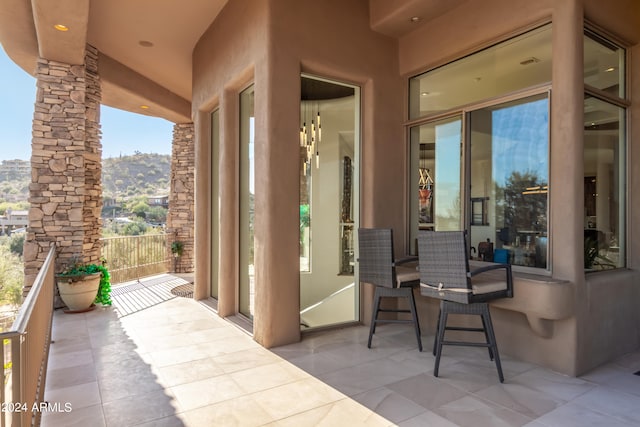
point(79, 292)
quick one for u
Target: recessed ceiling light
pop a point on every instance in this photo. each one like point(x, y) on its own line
point(424, 94)
point(145, 43)
point(61, 27)
point(144, 107)
point(414, 19)
point(610, 69)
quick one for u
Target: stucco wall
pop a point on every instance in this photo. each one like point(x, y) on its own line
point(245, 44)
point(611, 324)
point(224, 62)
point(466, 28)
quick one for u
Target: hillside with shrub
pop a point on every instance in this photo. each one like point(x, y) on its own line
point(138, 174)
point(122, 177)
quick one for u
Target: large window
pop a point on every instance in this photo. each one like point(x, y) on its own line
point(517, 63)
point(485, 168)
point(604, 65)
point(435, 181)
point(509, 177)
point(604, 154)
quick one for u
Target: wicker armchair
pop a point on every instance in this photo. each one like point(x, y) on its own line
point(377, 266)
point(445, 274)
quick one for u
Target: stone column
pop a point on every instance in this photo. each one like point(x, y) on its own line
point(180, 219)
point(66, 189)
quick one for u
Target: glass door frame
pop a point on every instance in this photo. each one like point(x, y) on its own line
point(357, 196)
point(214, 202)
point(246, 180)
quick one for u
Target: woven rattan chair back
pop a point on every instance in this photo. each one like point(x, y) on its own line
point(444, 264)
point(445, 274)
point(377, 266)
point(376, 256)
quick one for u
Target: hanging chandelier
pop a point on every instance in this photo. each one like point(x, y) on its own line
point(310, 141)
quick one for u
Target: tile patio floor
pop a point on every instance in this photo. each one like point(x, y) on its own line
point(177, 363)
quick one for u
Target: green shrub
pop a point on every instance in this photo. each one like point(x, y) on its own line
point(16, 243)
point(11, 276)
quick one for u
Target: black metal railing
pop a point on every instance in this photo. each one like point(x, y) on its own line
point(131, 257)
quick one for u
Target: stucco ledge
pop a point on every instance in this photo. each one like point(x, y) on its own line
point(542, 300)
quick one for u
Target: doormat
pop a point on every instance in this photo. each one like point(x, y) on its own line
point(185, 291)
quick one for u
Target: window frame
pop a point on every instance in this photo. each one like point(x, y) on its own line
point(595, 33)
point(464, 111)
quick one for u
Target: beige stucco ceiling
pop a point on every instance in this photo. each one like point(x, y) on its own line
point(146, 45)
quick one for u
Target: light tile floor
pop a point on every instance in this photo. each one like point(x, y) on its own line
point(178, 364)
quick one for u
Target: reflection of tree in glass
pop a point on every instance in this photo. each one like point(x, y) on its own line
point(449, 220)
point(522, 202)
point(305, 222)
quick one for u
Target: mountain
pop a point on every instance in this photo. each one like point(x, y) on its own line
point(141, 173)
point(122, 177)
point(15, 177)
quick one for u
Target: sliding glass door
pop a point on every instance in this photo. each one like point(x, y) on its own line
point(215, 205)
point(509, 181)
point(247, 193)
point(435, 178)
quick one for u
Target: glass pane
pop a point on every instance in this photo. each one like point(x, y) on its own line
point(604, 185)
point(604, 65)
point(247, 193)
point(509, 178)
point(515, 64)
point(215, 231)
point(329, 144)
point(435, 177)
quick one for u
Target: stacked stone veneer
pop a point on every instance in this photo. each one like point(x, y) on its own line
point(180, 219)
point(66, 189)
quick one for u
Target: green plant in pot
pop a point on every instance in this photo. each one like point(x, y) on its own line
point(177, 248)
point(81, 285)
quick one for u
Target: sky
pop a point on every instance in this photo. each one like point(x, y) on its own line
point(122, 132)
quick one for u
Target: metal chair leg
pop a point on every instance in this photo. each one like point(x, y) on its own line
point(414, 315)
point(486, 336)
point(435, 338)
point(374, 316)
point(440, 338)
point(486, 316)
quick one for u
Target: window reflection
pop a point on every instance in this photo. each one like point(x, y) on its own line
point(435, 182)
point(328, 177)
point(514, 64)
point(603, 65)
point(509, 179)
point(604, 173)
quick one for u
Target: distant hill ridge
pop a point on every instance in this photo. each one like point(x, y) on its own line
point(122, 177)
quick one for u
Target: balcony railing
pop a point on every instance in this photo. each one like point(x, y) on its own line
point(25, 351)
point(131, 257)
